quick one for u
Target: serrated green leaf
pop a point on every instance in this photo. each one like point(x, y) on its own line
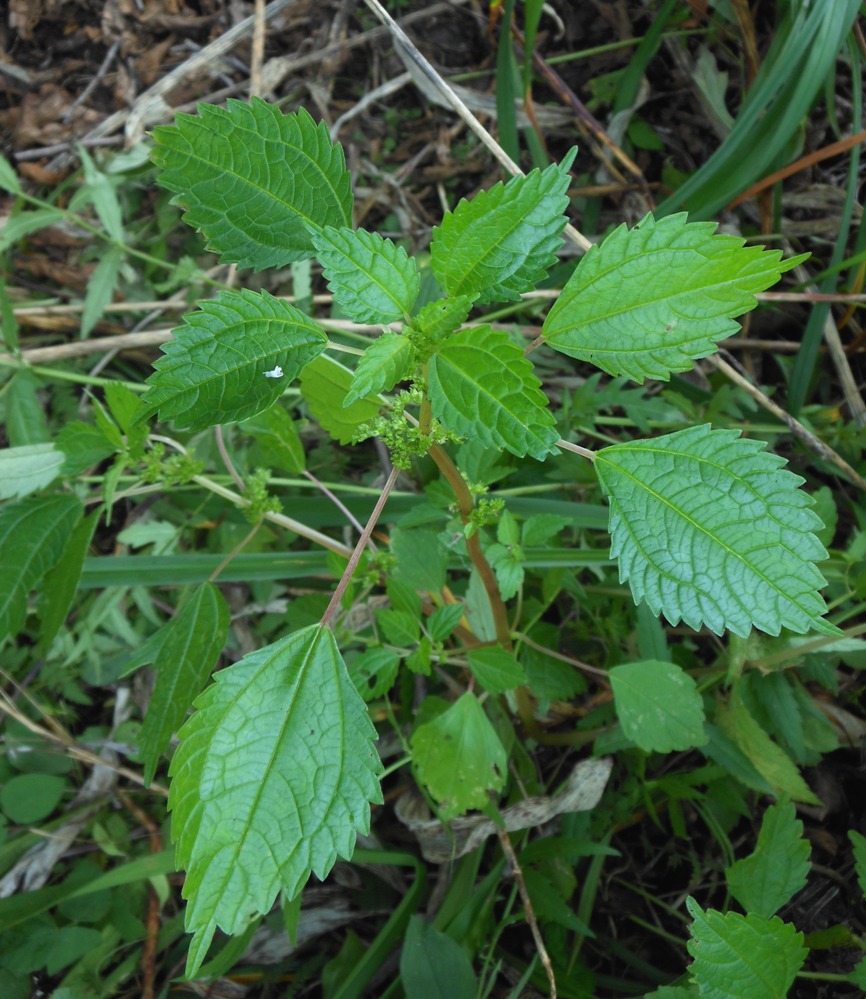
point(658, 706)
point(709, 529)
point(374, 672)
point(386, 361)
point(83, 445)
point(460, 757)
point(61, 582)
point(324, 385)
point(649, 300)
point(97, 190)
point(372, 279)
point(507, 562)
point(421, 560)
point(272, 781)
point(858, 842)
point(480, 385)
point(25, 469)
point(501, 243)
point(495, 669)
point(769, 759)
point(100, 288)
point(8, 178)
point(187, 655)
point(777, 868)
point(444, 620)
point(439, 319)
point(858, 975)
point(278, 439)
point(26, 223)
point(743, 957)
point(256, 182)
point(232, 360)
point(32, 535)
point(398, 627)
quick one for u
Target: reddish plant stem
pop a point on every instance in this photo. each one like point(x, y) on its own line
point(355, 557)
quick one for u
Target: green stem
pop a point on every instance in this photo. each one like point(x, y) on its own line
point(68, 376)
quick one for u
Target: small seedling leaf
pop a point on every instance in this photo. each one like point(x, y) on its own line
point(658, 706)
point(460, 757)
point(214, 369)
point(272, 780)
point(496, 670)
point(649, 300)
point(777, 868)
point(481, 386)
point(256, 182)
point(710, 529)
point(743, 956)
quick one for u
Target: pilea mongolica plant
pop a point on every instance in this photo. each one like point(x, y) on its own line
point(277, 766)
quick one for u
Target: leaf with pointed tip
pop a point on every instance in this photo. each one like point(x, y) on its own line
point(743, 957)
point(254, 181)
point(460, 757)
point(658, 706)
point(232, 360)
point(386, 361)
point(372, 279)
point(324, 386)
point(777, 868)
point(709, 529)
point(25, 469)
point(33, 533)
point(649, 300)
point(502, 242)
point(193, 641)
point(481, 386)
point(272, 780)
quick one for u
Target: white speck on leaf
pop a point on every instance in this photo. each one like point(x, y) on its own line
point(276, 373)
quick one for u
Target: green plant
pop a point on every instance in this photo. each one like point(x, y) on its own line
point(277, 767)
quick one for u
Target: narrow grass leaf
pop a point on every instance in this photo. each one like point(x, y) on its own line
point(778, 866)
point(372, 279)
point(25, 416)
point(386, 361)
point(100, 288)
point(658, 706)
point(33, 533)
point(711, 530)
point(232, 360)
point(272, 780)
point(19, 226)
point(650, 300)
point(187, 655)
point(743, 957)
point(481, 386)
point(460, 757)
point(502, 242)
point(256, 182)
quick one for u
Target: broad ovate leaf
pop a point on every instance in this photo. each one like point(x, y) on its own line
point(777, 868)
point(711, 530)
point(256, 182)
point(272, 780)
point(501, 243)
point(649, 300)
point(386, 361)
point(232, 360)
point(193, 641)
point(658, 706)
point(33, 533)
point(743, 957)
point(460, 757)
point(325, 383)
point(481, 386)
point(372, 279)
